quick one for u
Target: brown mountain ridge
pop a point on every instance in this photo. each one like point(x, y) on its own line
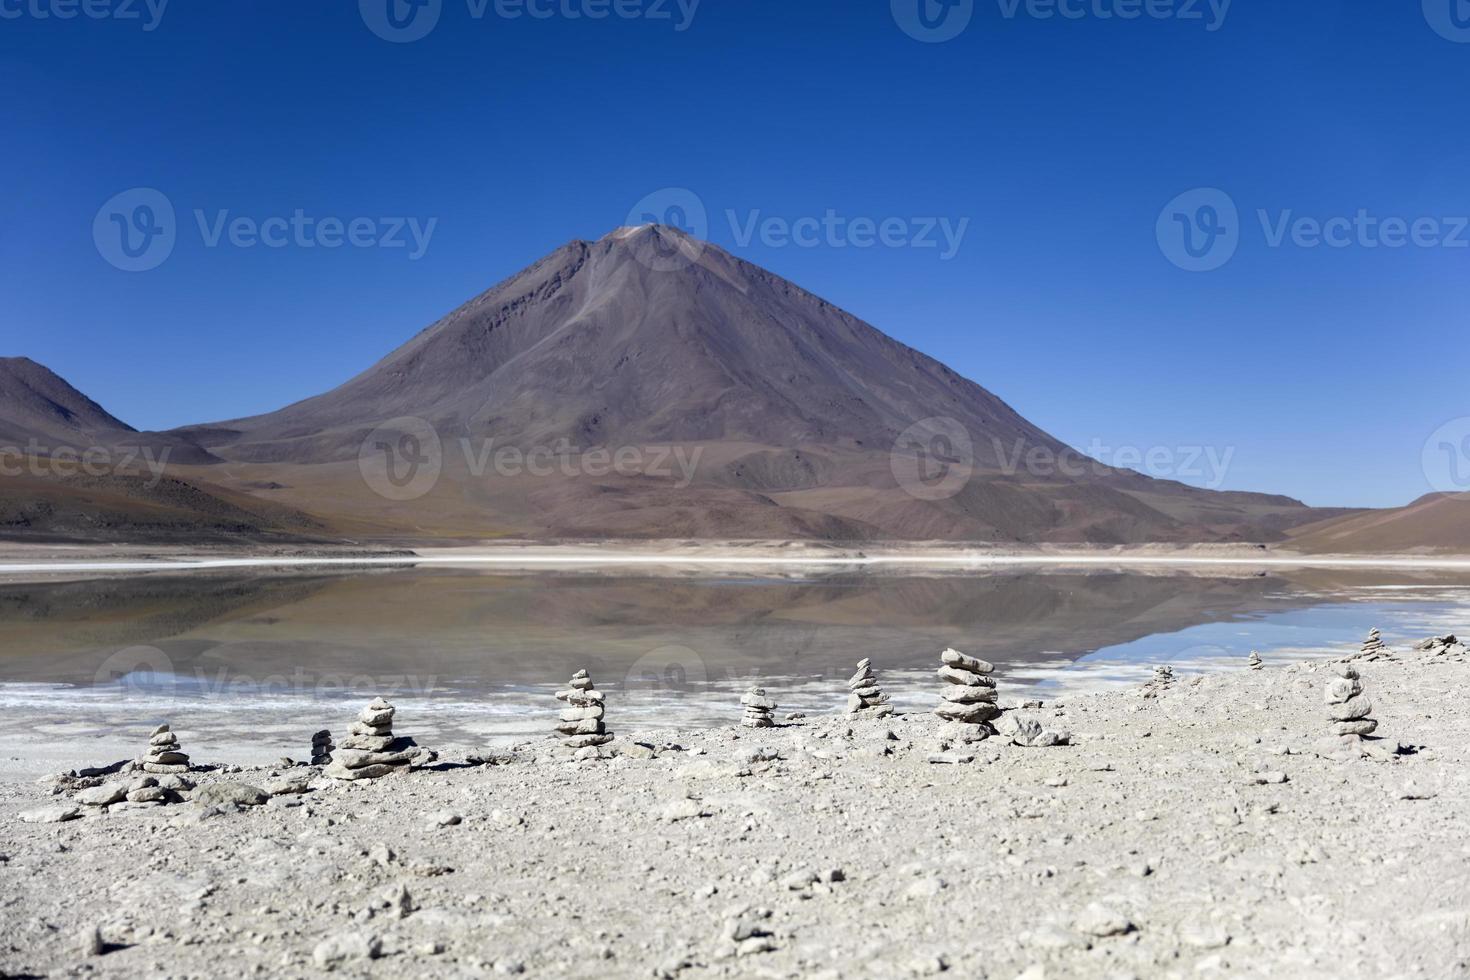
point(649, 385)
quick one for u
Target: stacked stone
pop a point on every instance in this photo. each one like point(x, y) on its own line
point(164, 754)
point(581, 720)
point(969, 697)
point(1373, 648)
point(1255, 662)
point(866, 698)
point(371, 750)
point(759, 709)
point(1348, 708)
point(321, 748)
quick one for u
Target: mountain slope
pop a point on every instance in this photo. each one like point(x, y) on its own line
point(36, 403)
point(803, 421)
point(1437, 522)
point(592, 345)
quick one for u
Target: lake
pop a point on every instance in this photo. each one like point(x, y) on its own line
point(249, 665)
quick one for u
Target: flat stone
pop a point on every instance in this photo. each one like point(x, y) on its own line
point(582, 741)
point(758, 700)
point(592, 726)
point(583, 714)
point(230, 791)
point(50, 814)
point(1351, 710)
point(167, 758)
point(104, 795)
point(367, 743)
point(161, 768)
point(969, 695)
point(338, 771)
point(968, 713)
point(1362, 726)
point(973, 665)
point(356, 759)
point(957, 676)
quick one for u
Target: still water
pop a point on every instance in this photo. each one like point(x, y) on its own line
point(250, 665)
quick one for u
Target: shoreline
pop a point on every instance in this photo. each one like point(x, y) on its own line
point(1192, 832)
point(37, 560)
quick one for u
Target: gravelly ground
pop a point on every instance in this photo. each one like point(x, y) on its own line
point(1148, 848)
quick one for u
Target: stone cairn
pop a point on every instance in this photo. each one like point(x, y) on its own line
point(969, 696)
point(1348, 708)
point(759, 709)
point(1162, 680)
point(1254, 661)
point(321, 748)
point(371, 750)
point(866, 698)
point(1373, 648)
point(581, 720)
point(164, 754)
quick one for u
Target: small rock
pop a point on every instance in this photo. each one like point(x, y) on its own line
point(445, 819)
point(1099, 920)
point(230, 792)
point(91, 942)
point(345, 947)
point(50, 814)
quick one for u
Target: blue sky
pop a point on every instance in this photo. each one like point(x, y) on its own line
point(1054, 142)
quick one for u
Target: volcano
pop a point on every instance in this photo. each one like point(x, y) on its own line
point(649, 384)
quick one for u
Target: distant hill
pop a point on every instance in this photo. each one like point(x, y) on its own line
point(36, 403)
point(1438, 522)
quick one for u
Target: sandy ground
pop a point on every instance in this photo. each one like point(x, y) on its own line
point(1190, 834)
